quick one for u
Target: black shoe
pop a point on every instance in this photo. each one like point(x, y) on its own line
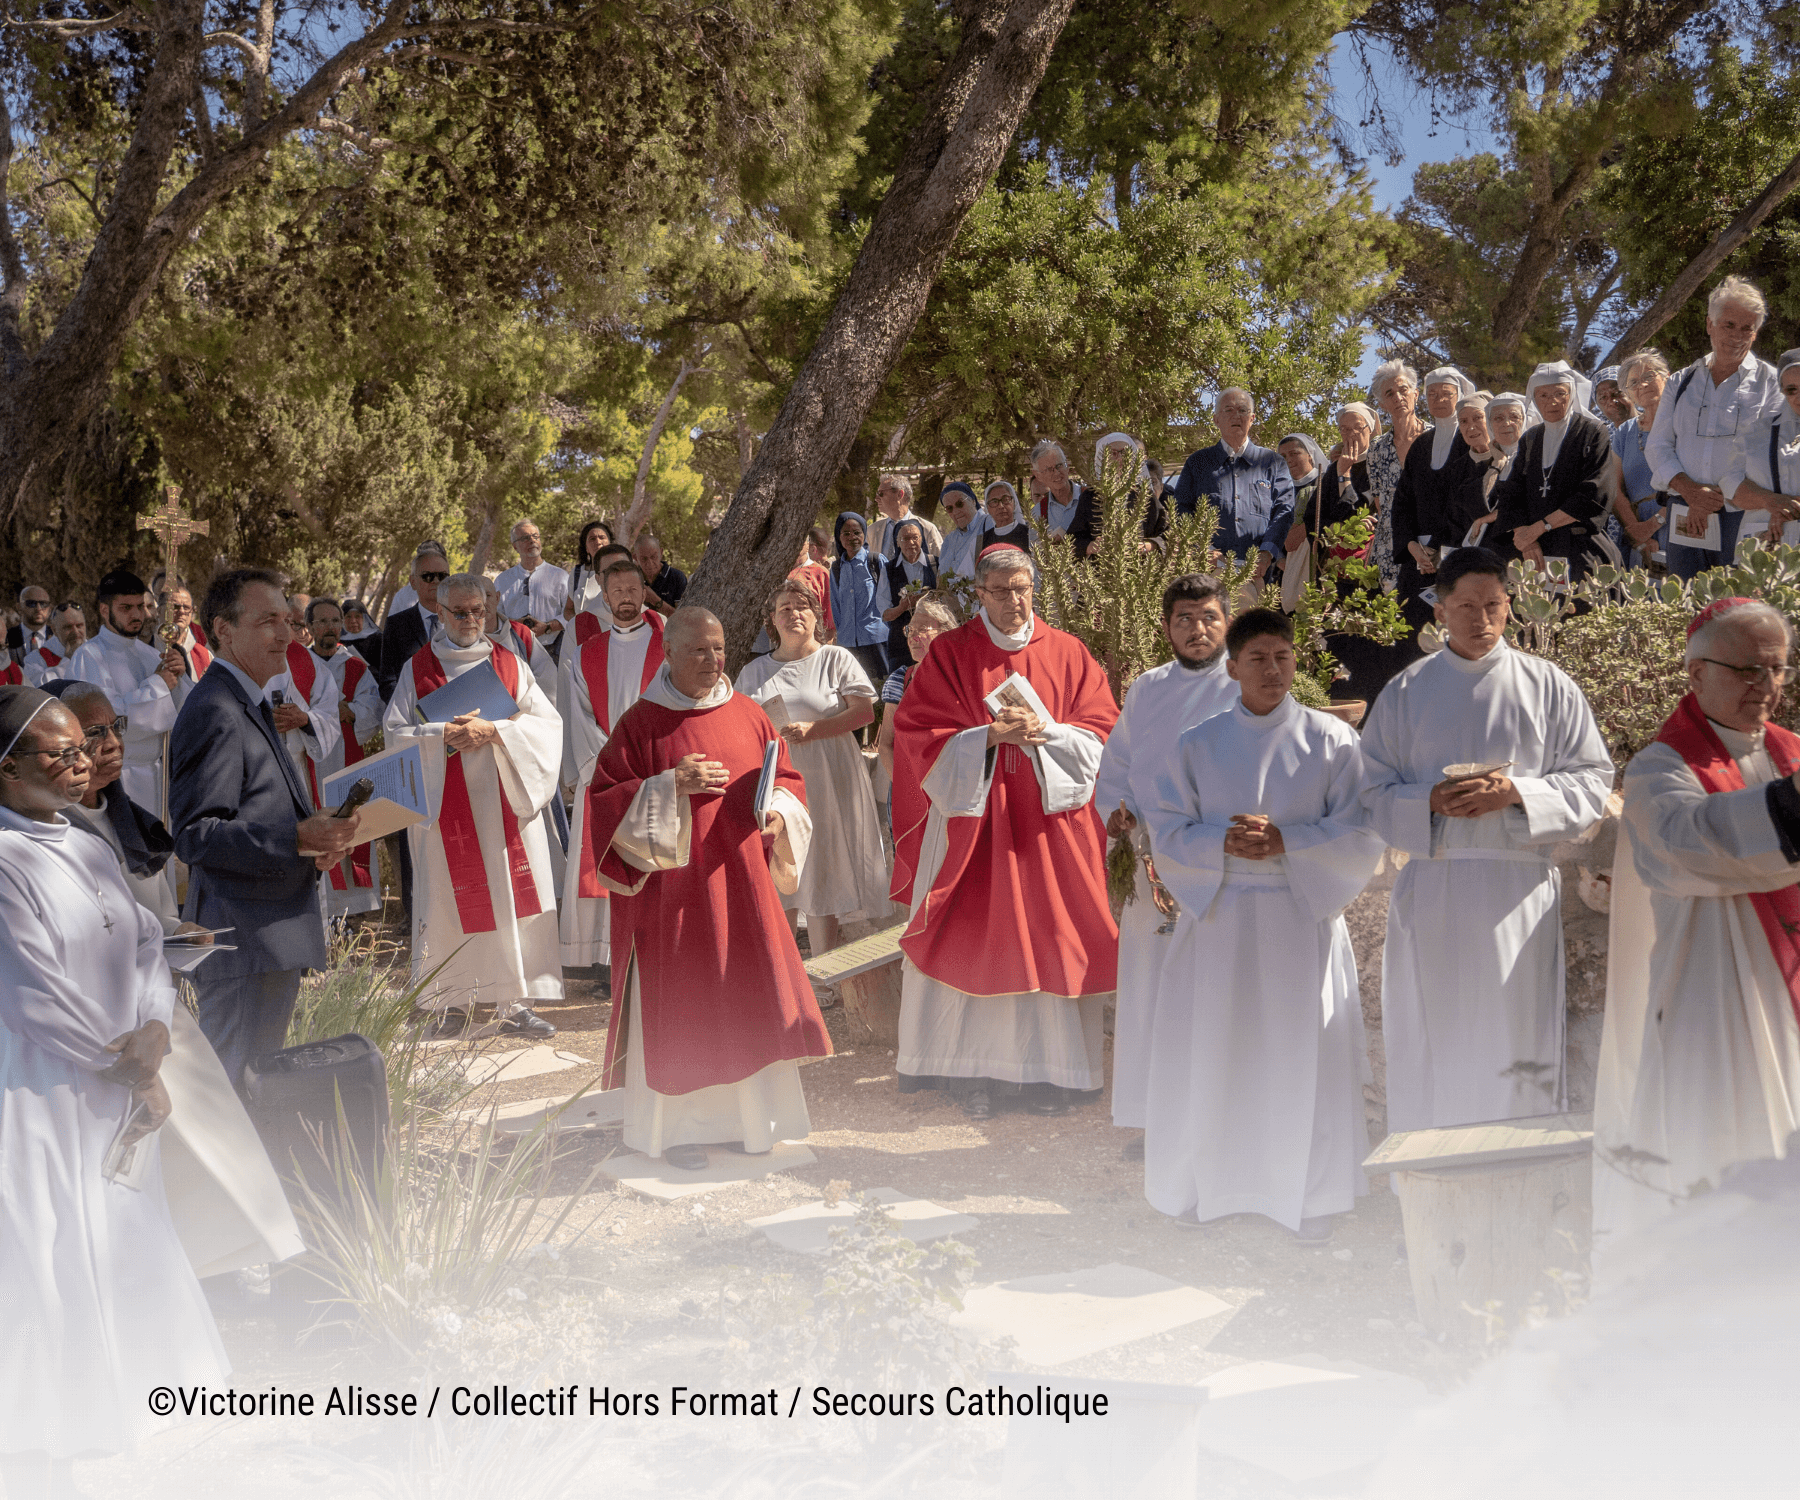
point(1134, 1149)
point(977, 1105)
point(526, 1022)
point(686, 1158)
point(1048, 1101)
point(449, 1023)
point(1314, 1231)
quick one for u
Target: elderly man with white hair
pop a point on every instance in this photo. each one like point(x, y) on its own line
point(1250, 486)
point(1715, 403)
point(1553, 497)
point(1700, 1059)
point(1765, 470)
point(484, 892)
point(533, 591)
point(894, 502)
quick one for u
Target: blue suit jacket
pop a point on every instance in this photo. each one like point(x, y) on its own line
point(1255, 495)
point(235, 800)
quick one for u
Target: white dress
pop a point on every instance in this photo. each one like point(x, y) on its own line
point(518, 961)
point(1254, 1100)
point(1159, 705)
point(100, 1303)
point(846, 873)
point(1700, 1059)
point(1472, 1006)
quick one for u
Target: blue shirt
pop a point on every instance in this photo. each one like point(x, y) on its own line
point(1631, 442)
point(855, 605)
point(1254, 493)
point(895, 685)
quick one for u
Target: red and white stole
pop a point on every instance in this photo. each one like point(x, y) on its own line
point(201, 658)
point(596, 657)
point(1691, 736)
point(11, 676)
point(456, 814)
point(362, 871)
point(51, 659)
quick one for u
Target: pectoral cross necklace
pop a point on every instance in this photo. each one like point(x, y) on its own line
point(106, 920)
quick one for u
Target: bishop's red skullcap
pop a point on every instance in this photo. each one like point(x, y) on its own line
point(1714, 610)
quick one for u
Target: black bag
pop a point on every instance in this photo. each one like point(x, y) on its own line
point(293, 1097)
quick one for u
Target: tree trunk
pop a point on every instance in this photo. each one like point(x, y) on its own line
point(1704, 264)
point(638, 512)
point(950, 159)
point(484, 539)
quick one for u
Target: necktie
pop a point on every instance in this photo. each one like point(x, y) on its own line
point(268, 717)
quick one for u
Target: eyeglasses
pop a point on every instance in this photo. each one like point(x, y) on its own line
point(467, 616)
point(1005, 593)
point(99, 732)
point(923, 632)
point(1642, 382)
point(181, 609)
point(1753, 675)
point(66, 760)
point(433, 577)
point(35, 603)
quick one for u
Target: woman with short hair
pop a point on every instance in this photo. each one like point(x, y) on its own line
point(1642, 378)
point(818, 696)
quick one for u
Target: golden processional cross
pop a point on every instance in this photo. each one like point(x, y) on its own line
point(173, 528)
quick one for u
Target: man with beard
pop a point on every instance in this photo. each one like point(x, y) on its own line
point(609, 673)
point(1140, 751)
point(70, 625)
point(34, 625)
point(145, 684)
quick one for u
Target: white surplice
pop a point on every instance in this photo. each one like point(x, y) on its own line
point(585, 922)
point(1254, 1091)
point(1024, 1038)
point(126, 668)
point(36, 667)
point(518, 962)
point(1700, 1058)
point(531, 651)
point(769, 1105)
point(322, 740)
point(100, 1301)
point(1159, 706)
point(365, 703)
point(1472, 1006)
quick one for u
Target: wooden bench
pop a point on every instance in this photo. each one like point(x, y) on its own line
point(865, 975)
point(1494, 1213)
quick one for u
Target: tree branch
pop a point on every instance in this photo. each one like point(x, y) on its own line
point(12, 264)
point(638, 512)
point(380, 145)
point(1705, 263)
point(129, 19)
point(232, 39)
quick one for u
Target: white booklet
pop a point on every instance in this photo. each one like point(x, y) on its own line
point(1708, 542)
point(765, 784)
point(1016, 692)
point(777, 710)
point(400, 798)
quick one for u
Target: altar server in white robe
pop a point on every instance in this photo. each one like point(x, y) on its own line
point(1472, 1011)
point(1254, 1092)
point(1159, 705)
point(353, 884)
point(484, 900)
point(148, 686)
point(621, 661)
point(1700, 1059)
point(101, 1304)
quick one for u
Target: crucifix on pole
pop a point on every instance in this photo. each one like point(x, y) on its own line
point(172, 528)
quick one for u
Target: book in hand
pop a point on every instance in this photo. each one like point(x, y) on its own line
point(478, 691)
point(184, 953)
point(765, 784)
point(399, 799)
point(126, 1162)
point(1016, 692)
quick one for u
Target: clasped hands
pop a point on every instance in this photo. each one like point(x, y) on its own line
point(1475, 797)
point(1253, 836)
point(140, 1055)
point(289, 717)
point(1017, 726)
point(695, 775)
point(469, 732)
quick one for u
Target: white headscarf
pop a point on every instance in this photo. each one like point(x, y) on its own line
point(1561, 372)
point(1446, 374)
point(1366, 412)
point(1107, 442)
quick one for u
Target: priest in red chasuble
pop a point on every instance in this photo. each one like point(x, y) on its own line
point(711, 1009)
point(1012, 946)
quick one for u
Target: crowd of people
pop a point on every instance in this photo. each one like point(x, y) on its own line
point(601, 792)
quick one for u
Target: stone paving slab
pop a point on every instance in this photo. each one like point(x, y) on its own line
point(655, 1178)
point(523, 1116)
point(523, 1062)
point(1069, 1314)
point(807, 1229)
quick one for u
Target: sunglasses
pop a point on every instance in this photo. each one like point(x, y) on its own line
point(433, 577)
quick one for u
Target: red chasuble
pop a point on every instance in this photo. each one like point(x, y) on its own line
point(1019, 904)
point(723, 993)
point(1691, 736)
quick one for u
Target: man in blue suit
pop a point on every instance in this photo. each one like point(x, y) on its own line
point(1251, 486)
point(243, 824)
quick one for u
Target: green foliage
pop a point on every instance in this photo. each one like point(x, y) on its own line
point(1112, 602)
point(1342, 597)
